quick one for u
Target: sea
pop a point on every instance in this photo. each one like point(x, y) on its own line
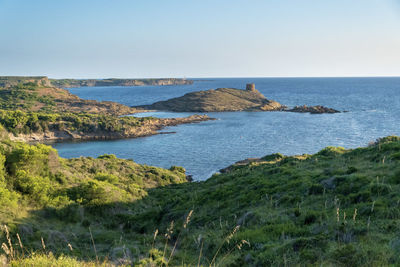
point(371, 105)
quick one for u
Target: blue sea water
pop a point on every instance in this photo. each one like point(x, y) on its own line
point(373, 106)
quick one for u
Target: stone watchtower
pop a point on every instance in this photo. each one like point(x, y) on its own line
point(251, 87)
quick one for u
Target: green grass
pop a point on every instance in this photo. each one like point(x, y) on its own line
point(337, 207)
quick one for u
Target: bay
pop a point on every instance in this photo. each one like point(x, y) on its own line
point(373, 106)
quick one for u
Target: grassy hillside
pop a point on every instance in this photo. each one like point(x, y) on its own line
point(336, 207)
point(37, 95)
point(9, 81)
point(40, 192)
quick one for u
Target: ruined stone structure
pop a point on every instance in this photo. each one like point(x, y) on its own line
point(251, 87)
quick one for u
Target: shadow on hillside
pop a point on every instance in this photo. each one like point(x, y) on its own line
point(118, 229)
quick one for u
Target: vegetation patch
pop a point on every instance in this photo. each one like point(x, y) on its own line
point(337, 207)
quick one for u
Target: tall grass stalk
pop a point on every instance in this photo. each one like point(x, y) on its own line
point(185, 224)
point(227, 239)
point(94, 245)
point(201, 250)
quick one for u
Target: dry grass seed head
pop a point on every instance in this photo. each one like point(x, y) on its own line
point(188, 219)
point(5, 249)
point(155, 234)
point(19, 241)
point(43, 244)
point(10, 247)
point(170, 230)
point(355, 214)
point(230, 236)
point(241, 243)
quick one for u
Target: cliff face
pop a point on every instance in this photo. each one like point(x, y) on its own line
point(67, 83)
point(222, 99)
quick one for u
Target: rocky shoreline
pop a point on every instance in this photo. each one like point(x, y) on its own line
point(312, 109)
point(227, 100)
point(150, 127)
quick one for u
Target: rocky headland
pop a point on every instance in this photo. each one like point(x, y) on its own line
point(33, 109)
point(229, 99)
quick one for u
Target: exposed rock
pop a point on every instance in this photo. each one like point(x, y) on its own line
point(313, 109)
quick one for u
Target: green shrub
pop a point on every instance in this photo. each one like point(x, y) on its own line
point(97, 193)
point(316, 189)
point(8, 199)
point(177, 169)
point(331, 151)
point(348, 255)
point(106, 177)
point(273, 157)
point(35, 187)
point(396, 156)
point(30, 158)
point(107, 156)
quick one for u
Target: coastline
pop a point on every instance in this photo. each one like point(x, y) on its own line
point(149, 128)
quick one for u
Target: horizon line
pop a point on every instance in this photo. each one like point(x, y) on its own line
point(212, 77)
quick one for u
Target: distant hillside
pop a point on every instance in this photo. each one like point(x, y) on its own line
point(65, 83)
point(38, 94)
point(7, 81)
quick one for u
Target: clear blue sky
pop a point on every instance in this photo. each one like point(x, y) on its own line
point(199, 38)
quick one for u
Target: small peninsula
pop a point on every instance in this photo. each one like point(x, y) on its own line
point(229, 99)
point(32, 109)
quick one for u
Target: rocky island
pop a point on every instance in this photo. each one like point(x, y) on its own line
point(229, 99)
